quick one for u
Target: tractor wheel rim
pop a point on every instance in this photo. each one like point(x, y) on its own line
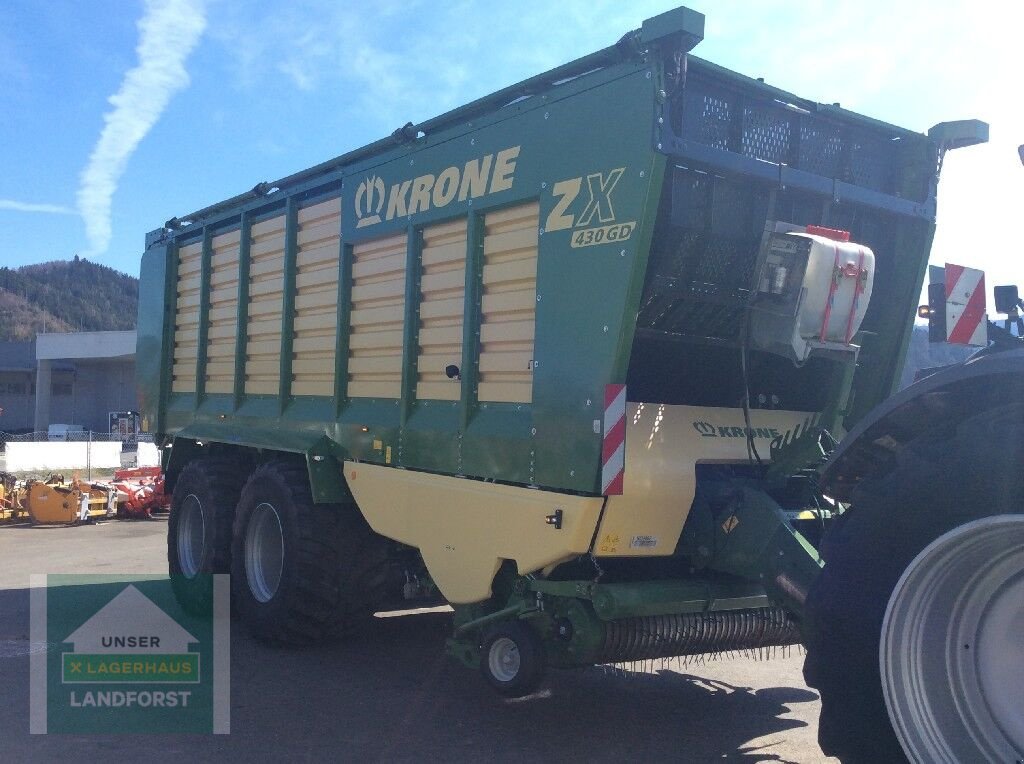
point(503, 659)
point(191, 536)
point(264, 552)
point(951, 653)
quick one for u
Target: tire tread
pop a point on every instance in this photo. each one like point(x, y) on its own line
point(340, 564)
point(940, 481)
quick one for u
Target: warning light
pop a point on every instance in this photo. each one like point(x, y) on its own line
point(924, 311)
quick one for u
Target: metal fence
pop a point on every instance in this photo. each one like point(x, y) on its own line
point(75, 436)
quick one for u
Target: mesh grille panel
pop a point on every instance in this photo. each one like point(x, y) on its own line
point(717, 115)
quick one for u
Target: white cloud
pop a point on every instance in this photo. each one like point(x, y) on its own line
point(168, 31)
point(54, 209)
point(404, 60)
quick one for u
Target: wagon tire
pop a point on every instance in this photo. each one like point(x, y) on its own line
point(302, 572)
point(199, 529)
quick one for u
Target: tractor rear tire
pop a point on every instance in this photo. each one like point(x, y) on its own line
point(199, 529)
point(941, 481)
point(302, 572)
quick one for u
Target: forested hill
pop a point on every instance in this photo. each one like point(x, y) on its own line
point(65, 296)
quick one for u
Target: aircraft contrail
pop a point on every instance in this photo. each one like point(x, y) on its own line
point(168, 32)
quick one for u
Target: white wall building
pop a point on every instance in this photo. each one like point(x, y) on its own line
point(81, 377)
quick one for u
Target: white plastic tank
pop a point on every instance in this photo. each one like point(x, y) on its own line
point(833, 312)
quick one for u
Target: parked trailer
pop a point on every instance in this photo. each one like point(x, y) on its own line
point(568, 356)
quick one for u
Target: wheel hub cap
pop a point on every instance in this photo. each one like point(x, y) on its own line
point(264, 552)
point(503, 659)
point(952, 647)
point(191, 536)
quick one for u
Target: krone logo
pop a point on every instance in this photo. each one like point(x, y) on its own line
point(706, 429)
point(369, 201)
point(481, 176)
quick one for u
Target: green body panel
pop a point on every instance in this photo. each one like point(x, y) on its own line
point(608, 112)
point(288, 310)
point(204, 314)
point(584, 317)
point(154, 319)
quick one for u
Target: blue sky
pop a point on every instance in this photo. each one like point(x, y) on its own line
point(117, 115)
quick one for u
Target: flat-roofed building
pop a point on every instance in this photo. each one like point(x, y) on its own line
point(79, 379)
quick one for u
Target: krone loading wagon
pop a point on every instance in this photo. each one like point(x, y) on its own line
point(567, 357)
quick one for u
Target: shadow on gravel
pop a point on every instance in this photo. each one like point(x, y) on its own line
point(391, 694)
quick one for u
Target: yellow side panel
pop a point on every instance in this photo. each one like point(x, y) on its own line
point(183, 370)
point(377, 318)
point(266, 302)
point(465, 528)
point(222, 322)
point(442, 304)
point(315, 326)
point(664, 444)
point(509, 304)
point(186, 319)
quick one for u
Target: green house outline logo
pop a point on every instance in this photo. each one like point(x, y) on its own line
point(130, 640)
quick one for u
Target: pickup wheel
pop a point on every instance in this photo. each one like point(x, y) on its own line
point(302, 572)
point(512, 659)
point(909, 628)
point(199, 529)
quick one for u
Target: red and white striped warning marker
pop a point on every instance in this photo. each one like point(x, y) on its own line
point(966, 320)
point(613, 451)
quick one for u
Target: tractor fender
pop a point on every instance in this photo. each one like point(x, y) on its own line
point(944, 399)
